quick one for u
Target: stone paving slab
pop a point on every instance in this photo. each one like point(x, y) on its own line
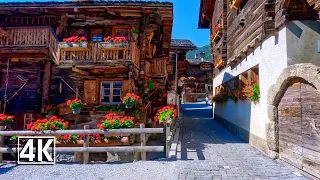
point(208, 151)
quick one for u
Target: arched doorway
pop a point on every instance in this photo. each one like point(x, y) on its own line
point(293, 129)
point(298, 117)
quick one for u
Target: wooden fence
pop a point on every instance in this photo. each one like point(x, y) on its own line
point(86, 149)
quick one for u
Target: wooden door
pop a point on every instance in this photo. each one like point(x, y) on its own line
point(90, 91)
point(290, 131)
point(299, 126)
point(310, 103)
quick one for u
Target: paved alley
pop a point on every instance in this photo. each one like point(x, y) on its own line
point(209, 151)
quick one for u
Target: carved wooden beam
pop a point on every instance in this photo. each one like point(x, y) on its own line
point(131, 14)
point(77, 70)
point(110, 11)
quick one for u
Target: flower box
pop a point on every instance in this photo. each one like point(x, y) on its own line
point(217, 37)
point(235, 4)
point(218, 62)
point(113, 45)
point(124, 141)
point(72, 45)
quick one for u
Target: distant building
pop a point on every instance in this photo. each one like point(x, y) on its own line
point(202, 82)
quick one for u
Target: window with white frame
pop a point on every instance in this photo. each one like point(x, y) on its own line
point(111, 92)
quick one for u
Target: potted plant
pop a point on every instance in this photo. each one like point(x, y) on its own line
point(147, 85)
point(167, 112)
point(50, 110)
point(113, 43)
point(130, 100)
point(74, 42)
point(5, 119)
point(76, 105)
point(53, 123)
point(134, 32)
point(216, 33)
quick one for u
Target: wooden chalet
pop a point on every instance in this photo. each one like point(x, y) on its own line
point(179, 49)
point(272, 44)
point(38, 69)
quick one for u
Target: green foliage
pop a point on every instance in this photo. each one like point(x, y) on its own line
point(107, 108)
point(118, 124)
point(206, 49)
point(134, 31)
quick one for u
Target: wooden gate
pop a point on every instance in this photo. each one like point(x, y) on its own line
point(299, 124)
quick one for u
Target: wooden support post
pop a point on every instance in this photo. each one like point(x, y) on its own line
point(143, 143)
point(1, 142)
point(86, 144)
point(250, 78)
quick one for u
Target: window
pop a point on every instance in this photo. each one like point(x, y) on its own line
point(78, 32)
point(121, 31)
point(96, 35)
point(111, 92)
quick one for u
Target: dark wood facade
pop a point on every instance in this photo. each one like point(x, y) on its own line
point(30, 38)
point(249, 23)
point(247, 26)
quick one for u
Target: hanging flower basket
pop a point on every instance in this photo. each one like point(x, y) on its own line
point(76, 110)
point(76, 105)
point(130, 100)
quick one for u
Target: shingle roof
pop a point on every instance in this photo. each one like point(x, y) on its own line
point(90, 3)
point(182, 44)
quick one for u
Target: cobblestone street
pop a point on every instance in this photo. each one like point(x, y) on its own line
point(209, 151)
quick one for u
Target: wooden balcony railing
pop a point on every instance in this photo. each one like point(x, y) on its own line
point(156, 68)
point(46, 37)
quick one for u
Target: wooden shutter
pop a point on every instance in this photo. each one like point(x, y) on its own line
point(126, 87)
point(90, 91)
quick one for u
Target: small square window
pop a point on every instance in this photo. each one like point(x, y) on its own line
point(111, 92)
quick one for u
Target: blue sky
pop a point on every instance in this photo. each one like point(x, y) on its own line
point(185, 22)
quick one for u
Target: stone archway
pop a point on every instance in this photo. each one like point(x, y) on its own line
point(298, 81)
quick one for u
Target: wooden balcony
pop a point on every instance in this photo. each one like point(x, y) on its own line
point(30, 38)
point(156, 68)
